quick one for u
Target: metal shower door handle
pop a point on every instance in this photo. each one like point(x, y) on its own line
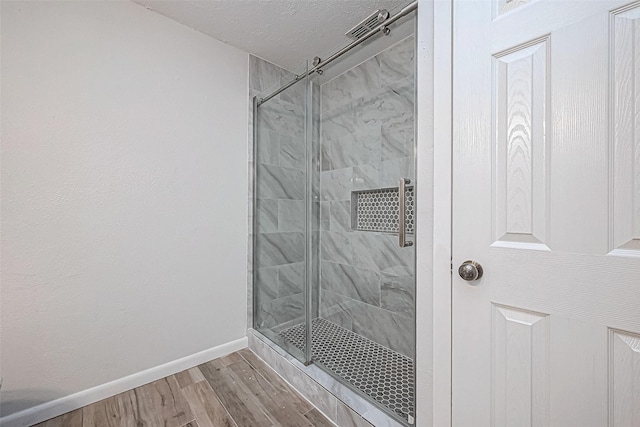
point(402, 229)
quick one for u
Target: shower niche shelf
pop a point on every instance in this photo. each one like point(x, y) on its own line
point(377, 210)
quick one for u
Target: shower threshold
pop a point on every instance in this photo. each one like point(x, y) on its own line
point(377, 371)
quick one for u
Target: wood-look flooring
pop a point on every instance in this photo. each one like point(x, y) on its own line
point(237, 390)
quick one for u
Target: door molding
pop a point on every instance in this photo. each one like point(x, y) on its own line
point(434, 173)
point(442, 212)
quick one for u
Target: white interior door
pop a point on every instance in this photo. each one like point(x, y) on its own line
point(546, 197)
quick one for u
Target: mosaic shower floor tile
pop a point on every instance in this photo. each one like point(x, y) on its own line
point(383, 374)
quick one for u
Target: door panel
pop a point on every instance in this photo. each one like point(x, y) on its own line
point(625, 62)
point(546, 196)
point(521, 103)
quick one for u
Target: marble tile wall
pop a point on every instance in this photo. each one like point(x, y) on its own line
point(367, 142)
point(280, 213)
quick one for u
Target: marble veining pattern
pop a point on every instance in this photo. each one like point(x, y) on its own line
point(276, 182)
point(282, 310)
point(352, 84)
point(268, 279)
point(397, 141)
point(337, 308)
point(268, 150)
point(279, 248)
point(291, 215)
point(336, 247)
point(291, 279)
point(356, 283)
point(393, 106)
point(339, 122)
point(267, 215)
point(397, 294)
point(325, 216)
point(263, 75)
point(380, 252)
point(397, 63)
point(366, 177)
point(390, 106)
point(336, 184)
point(291, 152)
point(340, 216)
point(282, 117)
point(352, 150)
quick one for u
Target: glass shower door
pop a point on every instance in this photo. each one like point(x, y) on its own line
point(335, 218)
point(282, 203)
point(364, 334)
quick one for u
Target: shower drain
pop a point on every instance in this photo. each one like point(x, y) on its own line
point(382, 374)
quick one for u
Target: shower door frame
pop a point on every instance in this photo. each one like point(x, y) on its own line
point(309, 264)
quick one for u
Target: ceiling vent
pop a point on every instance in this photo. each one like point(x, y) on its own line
point(371, 22)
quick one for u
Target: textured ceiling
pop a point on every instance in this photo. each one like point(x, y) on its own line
point(285, 32)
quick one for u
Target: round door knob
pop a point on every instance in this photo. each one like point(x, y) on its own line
point(470, 271)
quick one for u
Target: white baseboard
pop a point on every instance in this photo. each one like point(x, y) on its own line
point(74, 401)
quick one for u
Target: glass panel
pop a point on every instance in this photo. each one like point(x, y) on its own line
point(281, 201)
point(364, 333)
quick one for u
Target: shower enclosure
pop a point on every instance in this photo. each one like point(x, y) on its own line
point(334, 217)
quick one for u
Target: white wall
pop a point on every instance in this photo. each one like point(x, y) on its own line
point(124, 189)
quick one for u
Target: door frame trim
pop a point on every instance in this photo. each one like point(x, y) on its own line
point(442, 212)
point(434, 248)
